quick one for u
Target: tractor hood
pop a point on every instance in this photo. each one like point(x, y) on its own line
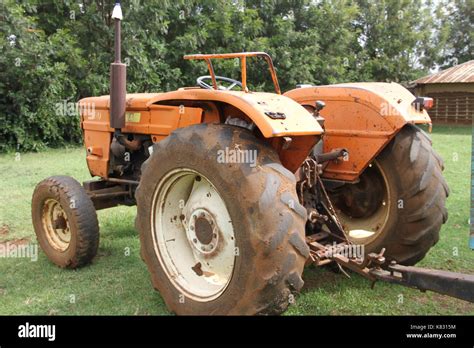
point(275, 115)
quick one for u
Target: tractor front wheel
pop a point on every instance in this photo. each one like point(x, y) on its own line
point(65, 222)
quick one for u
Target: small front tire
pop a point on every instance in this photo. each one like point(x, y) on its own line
point(65, 222)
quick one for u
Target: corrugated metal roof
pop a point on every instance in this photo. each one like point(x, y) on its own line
point(462, 73)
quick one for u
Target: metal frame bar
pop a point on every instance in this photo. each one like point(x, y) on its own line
point(211, 72)
point(243, 62)
point(453, 284)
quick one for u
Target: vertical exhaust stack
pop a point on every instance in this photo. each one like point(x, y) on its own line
point(118, 76)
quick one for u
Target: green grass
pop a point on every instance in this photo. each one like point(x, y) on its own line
point(118, 284)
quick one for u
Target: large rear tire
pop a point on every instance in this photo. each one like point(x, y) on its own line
point(249, 209)
point(405, 217)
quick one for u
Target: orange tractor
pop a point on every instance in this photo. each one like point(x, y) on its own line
point(236, 191)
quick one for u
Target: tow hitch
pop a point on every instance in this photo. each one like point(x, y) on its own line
point(375, 266)
point(453, 284)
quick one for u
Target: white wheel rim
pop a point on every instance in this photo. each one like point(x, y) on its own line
point(365, 231)
point(56, 225)
point(193, 234)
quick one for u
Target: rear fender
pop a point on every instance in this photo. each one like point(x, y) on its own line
point(361, 117)
point(286, 125)
point(273, 114)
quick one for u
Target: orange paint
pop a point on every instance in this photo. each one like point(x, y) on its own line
point(361, 117)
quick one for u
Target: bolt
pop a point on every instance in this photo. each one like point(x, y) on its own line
point(203, 248)
point(214, 235)
point(195, 240)
point(211, 246)
point(191, 228)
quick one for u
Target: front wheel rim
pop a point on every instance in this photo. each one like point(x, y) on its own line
point(56, 225)
point(193, 235)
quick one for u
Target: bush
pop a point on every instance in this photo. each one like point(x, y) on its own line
point(35, 86)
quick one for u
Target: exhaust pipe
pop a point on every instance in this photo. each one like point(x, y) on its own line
point(118, 76)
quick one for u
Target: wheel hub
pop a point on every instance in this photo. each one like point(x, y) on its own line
point(364, 198)
point(202, 231)
point(364, 208)
point(56, 225)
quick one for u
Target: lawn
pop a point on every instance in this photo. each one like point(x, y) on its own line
point(117, 282)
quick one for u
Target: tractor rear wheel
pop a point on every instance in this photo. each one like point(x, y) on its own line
point(65, 221)
point(220, 235)
point(399, 202)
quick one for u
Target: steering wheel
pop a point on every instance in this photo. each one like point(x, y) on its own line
point(232, 83)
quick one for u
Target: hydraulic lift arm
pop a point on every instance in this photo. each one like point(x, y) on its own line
point(375, 267)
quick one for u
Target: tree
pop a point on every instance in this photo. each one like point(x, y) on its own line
point(458, 29)
point(394, 36)
point(55, 52)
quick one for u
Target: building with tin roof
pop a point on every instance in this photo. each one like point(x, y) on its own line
point(453, 93)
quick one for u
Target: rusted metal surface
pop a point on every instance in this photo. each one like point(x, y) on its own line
point(332, 156)
point(323, 213)
point(110, 193)
point(243, 59)
point(332, 244)
point(360, 117)
point(243, 64)
point(443, 282)
point(123, 181)
point(211, 71)
point(448, 283)
point(462, 73)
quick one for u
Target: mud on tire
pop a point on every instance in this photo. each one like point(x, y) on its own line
point(419, 192)
point(78, 216)
point(267, 219)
